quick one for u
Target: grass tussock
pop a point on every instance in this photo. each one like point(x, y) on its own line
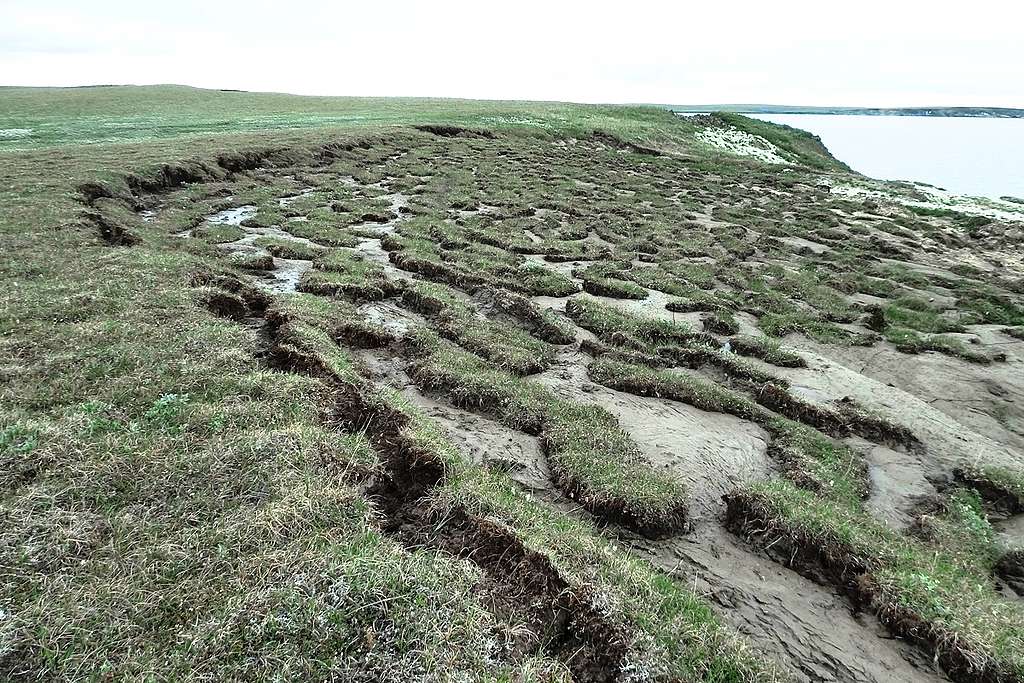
point(913, 342)
point(607, 321)
point(289, 249)
point(768, 350)
point(340, 273)
point(541, 323)
point(337, 318)
point(782, 324)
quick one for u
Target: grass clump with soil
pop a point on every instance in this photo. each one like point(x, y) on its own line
point(607, 321)
point(508, 347)
point(343, 273)
point(289, 249)
point(937, 592)
point(913, 342)
point(592, 459)
point(768, 350)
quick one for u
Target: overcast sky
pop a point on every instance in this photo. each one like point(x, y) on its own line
point(870, 52)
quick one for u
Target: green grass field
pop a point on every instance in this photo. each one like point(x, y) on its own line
point(212, 469)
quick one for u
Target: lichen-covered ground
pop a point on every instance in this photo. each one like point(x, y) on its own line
point(599, 399)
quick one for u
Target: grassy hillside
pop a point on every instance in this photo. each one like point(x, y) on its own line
point(57, 116)
point(42, 117)
point(218, 452)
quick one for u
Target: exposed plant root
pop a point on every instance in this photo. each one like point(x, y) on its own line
point(1010, 569)
point(720, 324)
point(561, 619)
point(654, 526)
point(110, 231)
point(350, 290)
point(692, 306)
point(228, 297)
point(615, 289)
point(598, 348)
point(360, 335)
point(875, 428)
point(696, 355)
point(223, 304)
point(1000, 494)
point(845, 419)
point(776, 398)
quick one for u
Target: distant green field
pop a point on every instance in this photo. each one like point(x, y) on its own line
point(42, 117)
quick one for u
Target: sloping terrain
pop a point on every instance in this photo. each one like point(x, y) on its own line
point(559, 393)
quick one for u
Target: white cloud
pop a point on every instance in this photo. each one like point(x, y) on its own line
point(870, 52)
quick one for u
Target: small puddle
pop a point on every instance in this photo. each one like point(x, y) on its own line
point(232, 216)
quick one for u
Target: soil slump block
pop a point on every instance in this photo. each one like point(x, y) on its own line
point(830, 561)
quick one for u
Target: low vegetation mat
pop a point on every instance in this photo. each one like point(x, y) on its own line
point(391, 390)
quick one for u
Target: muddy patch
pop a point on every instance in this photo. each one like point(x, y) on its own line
point(803, 625)
point(651, 307)
point(392, 317)
point(712, 452)
point(485, 441)
point(947, 403)
point(898, 482)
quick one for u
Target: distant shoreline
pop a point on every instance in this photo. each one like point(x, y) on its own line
point(962, 112)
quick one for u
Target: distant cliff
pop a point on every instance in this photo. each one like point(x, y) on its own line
point(974, 112)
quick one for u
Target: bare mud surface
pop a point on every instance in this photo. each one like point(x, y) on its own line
point(785, 615)
point(898, 482)
point(711, 452)
point(486, 441)
point(391, 316)
point(950, 405)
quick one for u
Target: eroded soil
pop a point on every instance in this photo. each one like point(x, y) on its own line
point(437, 209)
